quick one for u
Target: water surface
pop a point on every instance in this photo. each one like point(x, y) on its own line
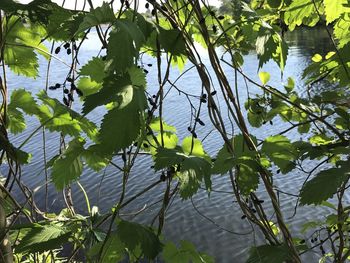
point(214, 225)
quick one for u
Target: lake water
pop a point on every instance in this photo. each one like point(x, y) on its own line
point(214, 236)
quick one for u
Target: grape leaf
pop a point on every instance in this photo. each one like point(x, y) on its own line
point(268, 254)
point(122, 125)
point(94, 69)
point(324, 185)
point(193, 169)
point(281, 151)
point(100, 15)
point(133, 234)
point(124, 44)
point(113, 251)
point(342, 30)
point(113, 86)
point(301, 11)
point(172, 41)
point(193, 146)
point(88, 86)
point(185, 253)
point(68, 167)
point(57, 117)
point(334, 9)
point(43, 238)
point(23, 100)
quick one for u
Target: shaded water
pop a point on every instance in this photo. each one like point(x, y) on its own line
point(215, 226)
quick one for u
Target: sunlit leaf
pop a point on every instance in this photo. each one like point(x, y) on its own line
point(334, 9)
point(264, 77)
point(41, 238)
point(281, 151)
point(94, 69)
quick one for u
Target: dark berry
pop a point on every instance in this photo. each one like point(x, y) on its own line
point(162, 177)
point(57, 50)
point(57, 85)
point(213, 93)
point(147, 5)
point(66, 45)
point(69, 51)
point(200, 122)
point(66, 91)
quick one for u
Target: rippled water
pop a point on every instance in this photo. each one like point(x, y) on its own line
point(215, 226)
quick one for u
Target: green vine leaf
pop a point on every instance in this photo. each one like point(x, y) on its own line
point(20, 100)
point(122, 125)
point(124, 43)
point(268, 254)
point(324, 185)
point(112, 91)
point(192, 169)
point(100, 15)
point(172, 41)
point(342, 30)
point(57, 117)
point(334, 9)
point(69, 166)
point(95, 69)
point(134, 235)
point(281, 151)
point(43, 238)
point(186, 252)
point(20, 44)
point(88, 86)
point(302, 12)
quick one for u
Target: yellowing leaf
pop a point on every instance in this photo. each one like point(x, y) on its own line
point(316, 58)
point(264, 77)
point(193, 146)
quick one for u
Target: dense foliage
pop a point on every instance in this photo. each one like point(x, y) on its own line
point(133, 124)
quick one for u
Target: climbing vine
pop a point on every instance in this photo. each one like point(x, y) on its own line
point(133, 124)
